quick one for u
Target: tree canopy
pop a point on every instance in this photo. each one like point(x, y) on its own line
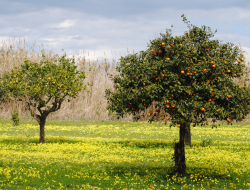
point(189, 77)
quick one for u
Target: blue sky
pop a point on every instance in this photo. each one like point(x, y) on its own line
point(116, 27)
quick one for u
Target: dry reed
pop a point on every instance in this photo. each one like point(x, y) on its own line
point(89, 105)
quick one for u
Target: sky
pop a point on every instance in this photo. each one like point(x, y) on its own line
point(99, 29)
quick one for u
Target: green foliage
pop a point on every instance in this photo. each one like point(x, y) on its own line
point(45, 85)
point(4, 90)
point(15, 116)
point(189, 78)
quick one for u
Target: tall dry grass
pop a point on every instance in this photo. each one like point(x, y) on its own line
point(89, 105)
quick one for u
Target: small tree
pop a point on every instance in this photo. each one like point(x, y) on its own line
point(188, 77)
point(44, 86)
point(15, 116)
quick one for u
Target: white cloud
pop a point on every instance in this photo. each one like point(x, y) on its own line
point(72, 29)
point(65, 24)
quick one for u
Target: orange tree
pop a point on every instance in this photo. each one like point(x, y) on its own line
point(190, 80)
point(44, 86)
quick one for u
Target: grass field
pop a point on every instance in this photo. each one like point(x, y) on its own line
point(121, 155)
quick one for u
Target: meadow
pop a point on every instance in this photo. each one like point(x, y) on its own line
point(121, 155)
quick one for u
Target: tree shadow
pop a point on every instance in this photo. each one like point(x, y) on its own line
point(164, 172)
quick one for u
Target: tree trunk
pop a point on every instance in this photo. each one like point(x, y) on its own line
point(179, 152)
point(42, 133)
point(188, 134)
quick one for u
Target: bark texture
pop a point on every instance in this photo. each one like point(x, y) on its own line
point(179, 152)
point(188, 134)
point(41, 120)
point(42, 131)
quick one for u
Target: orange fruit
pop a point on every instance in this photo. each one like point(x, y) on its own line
point(212, 62)
point(172, 45)
point(168, 59)
point(172, 95)
point(194, 94)
point(160, 52)
point(188, 92)
point(167, 106)
point(167, 101)
point(206, 123)
point(188, 74)
point(185, 37)
point(182, 72)
point(152, 51)
point(208, 82)
point(130, 103)
point(195, 79)
point(209, 100)
point(193, 108)
point(235, 75)
point(229, 96)
point(228, 120)
point(202, 109)
point(180, 45)
point(217, 110)
point(163, 44)
point(173, 106)
point(167, 118)
point(228, 71)
point(155, 54)
point(210, 53)
point(225, 62)
point(213, 66)
point(238, 61)
point(195, 72)
point(162, 75)
point(179, 125)
point(204, 69)
point(156, 78)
